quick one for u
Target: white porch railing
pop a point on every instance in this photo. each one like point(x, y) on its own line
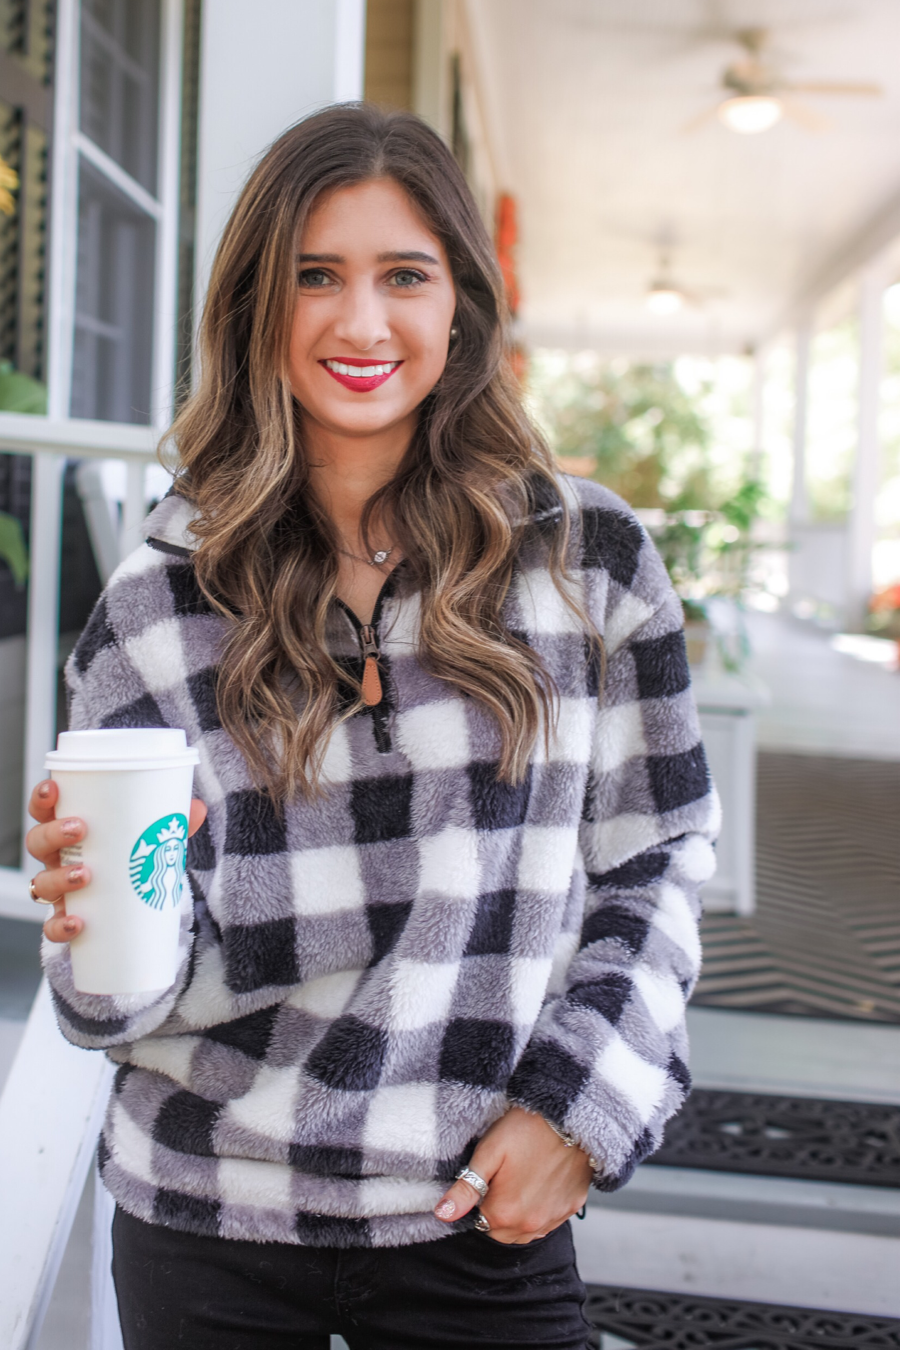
point(53, 1100)
point(51, 1110)
point(51, 443)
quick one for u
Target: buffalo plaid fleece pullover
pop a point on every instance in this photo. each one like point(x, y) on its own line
point(368, 982)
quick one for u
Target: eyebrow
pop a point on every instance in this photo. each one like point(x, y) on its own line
point(409, 256)
point(404, 255)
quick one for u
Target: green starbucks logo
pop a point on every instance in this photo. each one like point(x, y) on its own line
point(157, 862)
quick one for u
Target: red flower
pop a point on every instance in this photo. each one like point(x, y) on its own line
point(886, 600)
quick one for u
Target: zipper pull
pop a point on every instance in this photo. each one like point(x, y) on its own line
point(371, 681)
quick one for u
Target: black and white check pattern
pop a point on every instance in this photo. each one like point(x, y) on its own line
point(368, 982)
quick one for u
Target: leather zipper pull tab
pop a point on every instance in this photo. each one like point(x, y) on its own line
point(372, 692)
point(371, 683)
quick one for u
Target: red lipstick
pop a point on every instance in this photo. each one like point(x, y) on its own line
point(377, 372)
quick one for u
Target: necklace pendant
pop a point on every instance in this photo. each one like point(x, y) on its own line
point(381, 556)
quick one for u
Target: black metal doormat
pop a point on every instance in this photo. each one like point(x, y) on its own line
point(803, 1137)
point(649, 1320)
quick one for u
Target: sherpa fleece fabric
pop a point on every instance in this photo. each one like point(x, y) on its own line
point(369, 980)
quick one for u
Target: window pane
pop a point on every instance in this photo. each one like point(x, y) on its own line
point(113, 304)
point(120, 82)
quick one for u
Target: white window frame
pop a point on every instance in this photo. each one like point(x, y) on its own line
point(56, 437)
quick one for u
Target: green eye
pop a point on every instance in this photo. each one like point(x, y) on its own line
point(407, 277)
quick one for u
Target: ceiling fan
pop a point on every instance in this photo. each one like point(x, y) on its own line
point(757, 96)
point(667, 295)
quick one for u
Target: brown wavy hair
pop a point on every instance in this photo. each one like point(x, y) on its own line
point(459, 507)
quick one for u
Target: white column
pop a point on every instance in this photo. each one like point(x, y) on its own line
point(861, 524)
point(165, 286)
point(261, 70)
point(799, 508)
point(758, 411)
point(349, 50)
point(64, 216)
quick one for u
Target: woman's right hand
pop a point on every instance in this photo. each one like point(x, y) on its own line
point(44, 842)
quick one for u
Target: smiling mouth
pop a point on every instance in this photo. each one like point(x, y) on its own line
point(361, 376)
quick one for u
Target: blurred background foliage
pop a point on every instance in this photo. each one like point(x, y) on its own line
point(632, 427)
point(18, 394)
point(658, 435)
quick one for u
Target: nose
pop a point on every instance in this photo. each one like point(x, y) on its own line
point(362, 321)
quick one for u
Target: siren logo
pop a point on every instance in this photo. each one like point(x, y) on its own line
point(157, 862)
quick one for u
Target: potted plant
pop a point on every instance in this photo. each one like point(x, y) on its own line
point(708, 555)
point(681, 537)
point(637, 430)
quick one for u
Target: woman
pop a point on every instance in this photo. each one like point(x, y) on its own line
point(442, 913)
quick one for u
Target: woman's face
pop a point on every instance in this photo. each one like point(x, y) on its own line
point(375, 303)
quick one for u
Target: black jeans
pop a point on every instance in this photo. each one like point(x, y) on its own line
point(203, 1293)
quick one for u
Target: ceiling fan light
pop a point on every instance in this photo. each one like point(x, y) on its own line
point(663, 299)
point(750, 113)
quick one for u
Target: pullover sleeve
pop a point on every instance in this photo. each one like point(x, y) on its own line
point(105, 688)
point(607, 1062)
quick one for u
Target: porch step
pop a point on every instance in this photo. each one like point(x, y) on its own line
point(788, 1239)
point(739, 1198)
point(778, 1184)
point(780, 1249)
point(794, 1056)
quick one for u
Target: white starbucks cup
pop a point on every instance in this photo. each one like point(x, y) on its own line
point(132, 788)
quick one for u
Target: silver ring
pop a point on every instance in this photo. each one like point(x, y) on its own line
point(482, 1224)
point(38, 899)
point(475, 1181)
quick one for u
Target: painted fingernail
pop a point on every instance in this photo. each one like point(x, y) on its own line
point(445, 1210)
point(71, 828)
point(76, 874)
point(69, 926)
point(43, 789)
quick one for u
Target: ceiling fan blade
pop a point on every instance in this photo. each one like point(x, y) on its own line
point(700, 296)
point(834, 87)
point(810, 119)
point(708, 115)
point(713, 292)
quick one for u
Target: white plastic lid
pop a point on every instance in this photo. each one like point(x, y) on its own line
point(122, 748)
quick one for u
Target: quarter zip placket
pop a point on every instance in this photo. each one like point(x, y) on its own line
point(372, 682)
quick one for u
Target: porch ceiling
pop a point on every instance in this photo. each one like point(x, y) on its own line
point(587, 101)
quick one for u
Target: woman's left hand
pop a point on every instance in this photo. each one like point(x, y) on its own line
point(535, 1181)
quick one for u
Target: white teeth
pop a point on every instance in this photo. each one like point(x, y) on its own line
point(361, 372)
